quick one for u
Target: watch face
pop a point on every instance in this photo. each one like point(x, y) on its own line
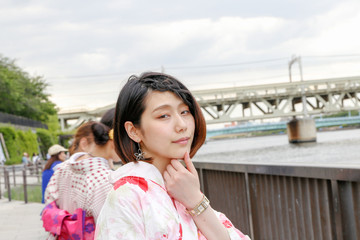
point(202, 206)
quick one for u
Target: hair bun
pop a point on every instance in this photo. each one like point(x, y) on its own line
point(101, 133)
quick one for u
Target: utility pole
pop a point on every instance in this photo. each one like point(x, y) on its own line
point(291, 62)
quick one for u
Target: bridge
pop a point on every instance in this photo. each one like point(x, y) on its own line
point(71, 119)
point(280, 125)
point(278, 100)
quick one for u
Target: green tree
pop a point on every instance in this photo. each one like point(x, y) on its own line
point(45, 139)
point(53, 123)
point(22, 94)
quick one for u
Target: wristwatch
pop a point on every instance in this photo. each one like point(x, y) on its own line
point(200, 207)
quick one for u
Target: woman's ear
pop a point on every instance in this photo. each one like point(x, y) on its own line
point(132, 131)
point(84, 145)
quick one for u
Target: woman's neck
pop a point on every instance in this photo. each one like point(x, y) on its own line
point(94, 152)
point(161, 164)
point(98, 152)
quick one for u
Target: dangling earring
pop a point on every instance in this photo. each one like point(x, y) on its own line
point(140, 154)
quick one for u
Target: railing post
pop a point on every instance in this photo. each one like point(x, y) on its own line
point(337, 209)
point(25, 186)
point(8, 184)
point(5, 177)
point(0, 189)
point(31, 168)
point(38, 172)
point(13, 168)
point(249, 208)
point(36, 168)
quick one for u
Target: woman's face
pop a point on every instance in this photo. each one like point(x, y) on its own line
point(62, 156)
point(167, 126)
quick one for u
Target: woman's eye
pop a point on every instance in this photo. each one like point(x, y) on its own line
point(185, 112)
point(164, 116)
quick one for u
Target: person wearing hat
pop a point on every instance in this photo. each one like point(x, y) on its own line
point(58, 155)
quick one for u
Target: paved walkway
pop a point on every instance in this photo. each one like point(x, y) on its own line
point(20, 221)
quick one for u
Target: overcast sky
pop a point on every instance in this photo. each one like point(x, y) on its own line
point(86, 50)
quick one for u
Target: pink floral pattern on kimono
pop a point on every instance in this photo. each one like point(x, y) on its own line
point(139, 207)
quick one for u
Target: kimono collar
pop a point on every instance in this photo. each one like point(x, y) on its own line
point(87, 164)
point(138, 169)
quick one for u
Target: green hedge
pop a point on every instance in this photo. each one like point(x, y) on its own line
point(17, 142)
point(9, 134)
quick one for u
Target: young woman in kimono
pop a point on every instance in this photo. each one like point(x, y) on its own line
point(154, 196)
point(78, 188)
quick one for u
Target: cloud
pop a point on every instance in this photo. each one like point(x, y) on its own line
point(329, 33)
point(19, 13)
point(114, 39)
point(340, 36)
point(97, 60)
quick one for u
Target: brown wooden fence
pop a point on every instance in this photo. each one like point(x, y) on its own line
point(286, 202)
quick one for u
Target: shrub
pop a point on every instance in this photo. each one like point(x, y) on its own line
point(9, 134)
point(17, 142)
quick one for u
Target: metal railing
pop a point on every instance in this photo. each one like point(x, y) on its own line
point(272, 201)
point(15, 176)
point(285, 202)
point(22, 121)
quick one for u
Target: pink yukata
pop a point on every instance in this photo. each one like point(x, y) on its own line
point(139, 207)
point(74, 197)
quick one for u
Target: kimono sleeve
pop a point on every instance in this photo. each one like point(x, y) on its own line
point(234, 233)
point(121, 216)
point(52, 191)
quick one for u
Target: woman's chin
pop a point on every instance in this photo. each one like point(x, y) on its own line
point(179, 155)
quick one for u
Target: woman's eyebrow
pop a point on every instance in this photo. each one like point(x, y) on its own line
point(161, 107)
point(164, 106)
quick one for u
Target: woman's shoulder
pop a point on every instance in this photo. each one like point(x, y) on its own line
point(137, 172)
point(98, 177)
point(132, 182)
point(55, 164)
point(135, 187)
point(88, 165)
point(96, 168)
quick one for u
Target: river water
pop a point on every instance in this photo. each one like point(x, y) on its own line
point(339, 148)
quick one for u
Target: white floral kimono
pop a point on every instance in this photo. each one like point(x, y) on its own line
point(139, 207)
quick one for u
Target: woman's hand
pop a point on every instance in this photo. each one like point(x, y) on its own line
point(183, 183)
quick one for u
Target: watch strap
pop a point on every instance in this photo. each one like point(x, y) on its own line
point(200, 207)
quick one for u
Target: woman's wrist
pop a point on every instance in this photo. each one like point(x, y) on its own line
point(193, 201)
point(200, 207)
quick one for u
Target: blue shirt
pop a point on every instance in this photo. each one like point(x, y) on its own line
point(46, 175)
point(24, 160)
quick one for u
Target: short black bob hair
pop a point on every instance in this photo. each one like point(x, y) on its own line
point(130, 107)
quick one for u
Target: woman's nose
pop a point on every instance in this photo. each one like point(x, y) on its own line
point(180, 124)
